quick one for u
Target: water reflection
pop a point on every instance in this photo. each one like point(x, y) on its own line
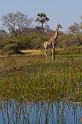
point(12, 112)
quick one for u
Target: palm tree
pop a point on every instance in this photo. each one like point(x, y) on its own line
point(42, 19)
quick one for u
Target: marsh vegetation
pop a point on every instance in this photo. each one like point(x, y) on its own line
point(34, 90)
point(38, 91)
point(32, 77)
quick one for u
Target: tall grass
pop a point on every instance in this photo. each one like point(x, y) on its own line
point(33, 78)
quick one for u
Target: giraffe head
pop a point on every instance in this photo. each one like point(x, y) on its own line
point(59, 26)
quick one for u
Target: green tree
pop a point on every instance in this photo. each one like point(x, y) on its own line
point(42, 19)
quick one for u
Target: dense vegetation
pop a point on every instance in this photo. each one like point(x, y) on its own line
point(21, 34)
point(29, 76)
point(32, 78)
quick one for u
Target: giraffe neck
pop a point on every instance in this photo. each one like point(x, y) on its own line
point(57, 29)
point(54, 37)
point(56, 33)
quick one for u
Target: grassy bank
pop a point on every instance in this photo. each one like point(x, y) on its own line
point(31, 77)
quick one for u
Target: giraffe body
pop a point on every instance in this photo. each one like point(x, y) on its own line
point(52, 42)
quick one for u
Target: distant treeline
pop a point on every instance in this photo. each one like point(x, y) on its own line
point(18, 32)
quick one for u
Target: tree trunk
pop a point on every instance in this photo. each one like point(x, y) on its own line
point(42, 26)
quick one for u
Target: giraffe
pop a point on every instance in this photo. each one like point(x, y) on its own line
point(52, 42)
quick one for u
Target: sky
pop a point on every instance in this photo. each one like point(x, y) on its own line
point(65, 12)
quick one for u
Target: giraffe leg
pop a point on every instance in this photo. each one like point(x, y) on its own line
point(53, 52)
point(46, 53)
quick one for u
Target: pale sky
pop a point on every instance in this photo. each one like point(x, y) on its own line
point(65, 12)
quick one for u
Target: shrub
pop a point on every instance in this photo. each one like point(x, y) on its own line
point(11, 49)
point(68, 40)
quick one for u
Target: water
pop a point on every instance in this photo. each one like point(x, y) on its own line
point(12, 112)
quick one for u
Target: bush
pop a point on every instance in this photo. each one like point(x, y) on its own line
point(33, 40)
point(68, 40)
point(11, 49)
point(24, 44)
